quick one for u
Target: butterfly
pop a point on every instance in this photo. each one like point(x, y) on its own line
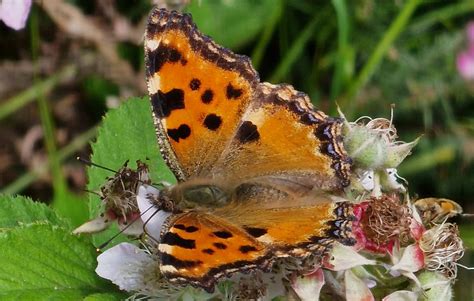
point(254, 161)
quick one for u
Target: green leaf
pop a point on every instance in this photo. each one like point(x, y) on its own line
point(71, 206)
point(126, 133)
point(232, 23)
point(17, 210)
point(43, 262)
point(105, 297)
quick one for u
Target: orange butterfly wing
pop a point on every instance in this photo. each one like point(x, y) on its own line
point(198, 92)
point(199, 248)
point(215, 120)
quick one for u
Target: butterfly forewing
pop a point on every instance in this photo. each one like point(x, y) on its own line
point(215, 120)
point(198, 91)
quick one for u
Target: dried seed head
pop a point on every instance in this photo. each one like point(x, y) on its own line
point(442, 247)
point(386, 220)
point(119, 192)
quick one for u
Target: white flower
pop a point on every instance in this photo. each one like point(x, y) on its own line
point(308, 286)
point(356, 288)
point(125, 265)
point(411, 259)
point(14, 13)
point(401, 296)
point(152, 218)
point(343, 257)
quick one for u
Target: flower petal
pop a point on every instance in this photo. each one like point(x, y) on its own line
point(465, 65)
point(95, 225)
point(308, 286)
point(124, 265)
point(412, 259)
point(14, 13)
point(152, 218)
point(470, 32)
point(401, 296)
point(343, 257)
point(356, 289)
point(134, 227)
point(389, 179)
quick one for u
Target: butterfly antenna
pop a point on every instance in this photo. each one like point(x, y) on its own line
point(146, 222)
point(89, 163)
point(90, 191)
point(104, 244)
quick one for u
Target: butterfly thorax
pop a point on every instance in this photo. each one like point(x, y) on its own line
point(194, 194)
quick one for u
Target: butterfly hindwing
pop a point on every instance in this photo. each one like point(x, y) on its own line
point(199, 248)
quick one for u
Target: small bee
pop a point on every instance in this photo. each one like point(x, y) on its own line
point(436, 210)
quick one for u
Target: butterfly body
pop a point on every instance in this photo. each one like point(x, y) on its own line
point(255, 162)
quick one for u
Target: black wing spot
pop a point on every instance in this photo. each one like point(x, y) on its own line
point(255, 232)
point(207, 96)
point(220, 245)
point(182, 132)
point(174, 55)
point(189, 229)
point(195, 84)
point(245, 249)
point(223, 234)
point(168, 259)
point(208, 251)
point(164, 103)
point(248, 132)
point(232, 92)
point(174, 239)
point(162, 55)
point(212, 122)
point(179, 226)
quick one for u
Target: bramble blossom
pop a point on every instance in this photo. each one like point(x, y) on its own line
point(465, 58)
point(14, 13)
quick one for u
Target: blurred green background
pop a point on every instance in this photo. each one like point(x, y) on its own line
point(76, 59)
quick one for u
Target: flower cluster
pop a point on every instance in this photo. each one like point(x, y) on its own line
point(14, 13)
point(465, 58)
point(403, 250)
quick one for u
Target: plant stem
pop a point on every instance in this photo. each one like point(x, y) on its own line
point(342, 56)
point(59, 184)
point(294, 52)
point(441, 15)
point(397, 26)
point(63, 154)
point(267, 33)
point(16, 102)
